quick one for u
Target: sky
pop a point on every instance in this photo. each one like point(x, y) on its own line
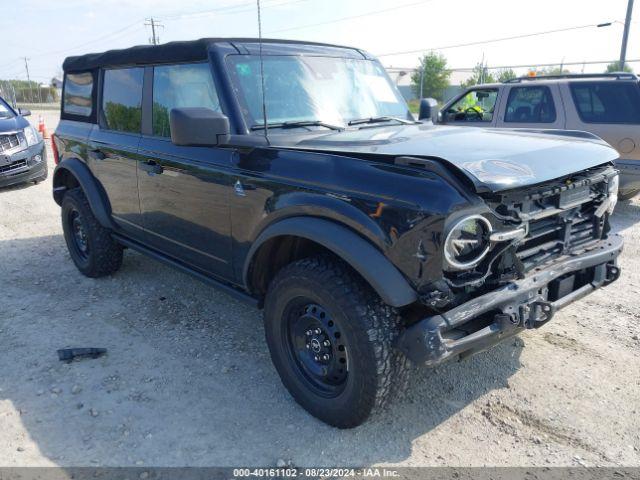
point(48, 31)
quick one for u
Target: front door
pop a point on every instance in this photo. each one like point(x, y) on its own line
point(184, 190)
point(113, 145)
point(476, 108)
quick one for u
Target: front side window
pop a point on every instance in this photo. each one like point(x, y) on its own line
point(476, 106)
point(607, 102)
point(122, 99)
point(78, 94)
point(5, 111)
point(176, 86)
point(305, 88)
point(530, 105)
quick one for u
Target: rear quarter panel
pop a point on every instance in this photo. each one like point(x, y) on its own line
point(72, 137)
point(624, 138)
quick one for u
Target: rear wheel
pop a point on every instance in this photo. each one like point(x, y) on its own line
point(90, 245)
point(330, 339)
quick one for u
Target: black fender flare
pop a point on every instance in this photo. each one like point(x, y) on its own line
point(92, 189)
point(359, 253)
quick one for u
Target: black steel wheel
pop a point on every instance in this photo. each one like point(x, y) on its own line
point(330, 340)
point(80, 242)
point(90, 245)
point(317, 347)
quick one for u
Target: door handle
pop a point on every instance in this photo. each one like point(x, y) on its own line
point(97, 155)
point(151, 167)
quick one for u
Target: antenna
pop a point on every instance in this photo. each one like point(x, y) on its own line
point(264, 102)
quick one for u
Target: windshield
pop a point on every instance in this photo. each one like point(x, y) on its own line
point(5, 111)
point(330, 90)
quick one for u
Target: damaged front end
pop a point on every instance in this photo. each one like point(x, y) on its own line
point(514, 260)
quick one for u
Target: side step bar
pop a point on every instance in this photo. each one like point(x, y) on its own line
point(226, 288)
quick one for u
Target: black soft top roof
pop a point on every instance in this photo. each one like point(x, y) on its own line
point(186, 51)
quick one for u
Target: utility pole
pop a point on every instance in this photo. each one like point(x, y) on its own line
point(625, 35)
point(26, 66)
point(153, 23)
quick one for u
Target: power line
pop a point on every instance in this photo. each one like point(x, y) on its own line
point(494, 40)
point(108, 35)
point(226, 10)
point(352, 17)
point(527, 65)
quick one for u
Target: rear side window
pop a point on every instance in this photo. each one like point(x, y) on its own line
point(176, 86)
point(607, 102)
point(122, 99)
point(78, 94)
point(530, 105)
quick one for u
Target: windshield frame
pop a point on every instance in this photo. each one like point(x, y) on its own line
point(247, 119)
point(11, 111)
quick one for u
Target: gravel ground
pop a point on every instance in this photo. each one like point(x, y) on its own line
point(188, 379)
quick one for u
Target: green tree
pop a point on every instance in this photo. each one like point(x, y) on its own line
point(481, 74)
point(506, 74)
point(553, 71)
point(123, 118)
point(615, 67)
point(436, 76)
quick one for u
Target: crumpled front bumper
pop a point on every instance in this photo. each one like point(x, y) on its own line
point(527, 303)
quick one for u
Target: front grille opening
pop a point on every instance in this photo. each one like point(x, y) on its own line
point(562, 233)
point(8, 169)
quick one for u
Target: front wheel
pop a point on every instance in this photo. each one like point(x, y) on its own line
point(330, 340)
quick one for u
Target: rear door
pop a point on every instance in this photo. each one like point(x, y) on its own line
point(113, 144)
point(610, 109)
point(184, 191)
point(475, 108)
point(531, 106)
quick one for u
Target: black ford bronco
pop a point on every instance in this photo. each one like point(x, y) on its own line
point(292, 176)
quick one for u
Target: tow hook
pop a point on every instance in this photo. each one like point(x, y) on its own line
point(613, 273)
point(537, 313)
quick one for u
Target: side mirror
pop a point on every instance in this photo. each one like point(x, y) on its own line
point(198, 127)
point(23, 112)
point(428, 110)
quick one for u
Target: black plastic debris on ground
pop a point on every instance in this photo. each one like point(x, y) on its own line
point(70, 354)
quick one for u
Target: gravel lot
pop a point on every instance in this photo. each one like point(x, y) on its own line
point(188, 379)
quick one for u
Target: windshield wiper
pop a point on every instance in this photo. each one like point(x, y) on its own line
point(296, 124)
point(386, 118)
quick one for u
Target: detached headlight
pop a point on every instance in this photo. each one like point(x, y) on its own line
point(612, 190)
point(467, 242)
point(31, 135)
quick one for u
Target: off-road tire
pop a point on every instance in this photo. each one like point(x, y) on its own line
point(376, 371)
point(104, 255)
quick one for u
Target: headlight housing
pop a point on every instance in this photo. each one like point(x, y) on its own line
point(612, 190)
point(467, 242)
point(31, 136)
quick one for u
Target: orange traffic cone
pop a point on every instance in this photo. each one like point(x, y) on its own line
point(42, 128)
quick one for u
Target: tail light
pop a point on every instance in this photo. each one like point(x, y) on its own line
point(54, 147)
